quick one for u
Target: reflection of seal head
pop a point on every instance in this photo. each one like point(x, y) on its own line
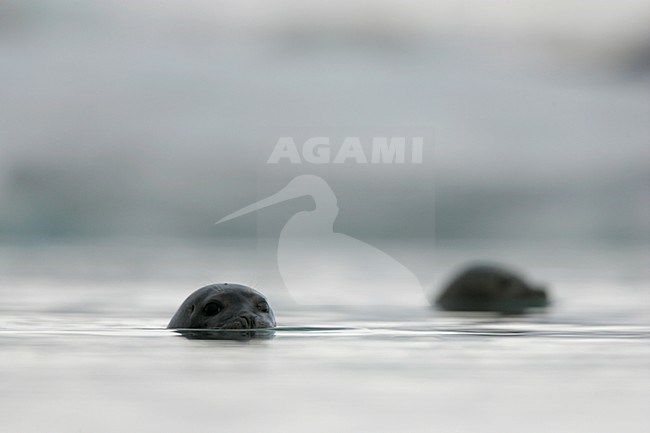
point(490, 288)
point(224, 306)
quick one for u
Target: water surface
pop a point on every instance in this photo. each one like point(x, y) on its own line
point(92, 354)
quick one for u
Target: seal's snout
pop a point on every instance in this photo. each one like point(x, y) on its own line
point(250, 321)
point(242, 322)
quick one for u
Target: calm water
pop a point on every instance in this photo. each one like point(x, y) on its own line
point(84, 349)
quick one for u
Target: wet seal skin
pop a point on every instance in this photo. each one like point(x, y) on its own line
point(491, 288)
point(232, 307)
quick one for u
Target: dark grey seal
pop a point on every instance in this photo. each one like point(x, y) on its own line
point(490, 288)
point(224, 306)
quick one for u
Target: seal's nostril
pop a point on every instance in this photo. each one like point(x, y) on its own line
point(246, 321)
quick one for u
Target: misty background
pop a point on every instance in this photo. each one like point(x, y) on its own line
point(155, 119)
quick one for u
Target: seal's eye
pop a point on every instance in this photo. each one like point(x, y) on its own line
point(263, 307)
point(212, 308)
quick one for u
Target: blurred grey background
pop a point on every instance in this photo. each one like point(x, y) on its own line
point(145, 119)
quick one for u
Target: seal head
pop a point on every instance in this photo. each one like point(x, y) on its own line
point(224, 306)
point(490, 288)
